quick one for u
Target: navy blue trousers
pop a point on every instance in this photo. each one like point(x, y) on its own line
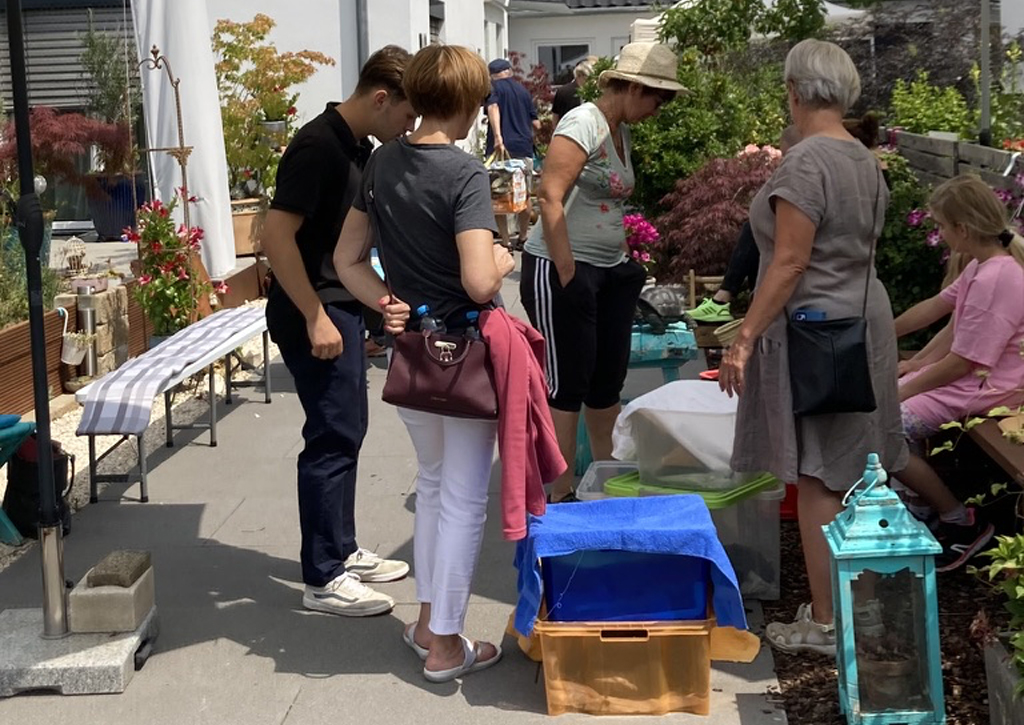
point(333, 396)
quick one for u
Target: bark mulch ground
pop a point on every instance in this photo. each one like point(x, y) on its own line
point(808, 682)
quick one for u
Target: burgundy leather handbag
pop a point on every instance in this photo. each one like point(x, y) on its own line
point(442, 374)
point(437, 373)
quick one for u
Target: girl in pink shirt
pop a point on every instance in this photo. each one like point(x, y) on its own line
point(977, 362)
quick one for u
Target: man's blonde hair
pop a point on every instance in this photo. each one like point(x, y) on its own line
point(445, 81)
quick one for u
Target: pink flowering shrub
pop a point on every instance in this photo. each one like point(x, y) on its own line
point(771, 151)
point(169, 288)
point(640, 237)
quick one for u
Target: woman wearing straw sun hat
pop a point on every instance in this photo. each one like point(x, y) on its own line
point(579, 286)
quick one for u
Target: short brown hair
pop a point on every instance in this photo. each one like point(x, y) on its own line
point(445, 81)
point(384, 69)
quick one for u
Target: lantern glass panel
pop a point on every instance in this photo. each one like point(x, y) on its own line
point(890, 641)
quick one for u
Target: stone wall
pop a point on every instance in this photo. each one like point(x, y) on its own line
point(112, 329)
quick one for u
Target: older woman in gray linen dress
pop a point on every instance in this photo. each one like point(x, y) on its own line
point(815, 223)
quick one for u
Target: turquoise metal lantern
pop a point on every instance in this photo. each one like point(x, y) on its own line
point(886, 610)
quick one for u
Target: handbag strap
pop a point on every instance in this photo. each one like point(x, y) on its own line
point(379, 235)
point(874, 239)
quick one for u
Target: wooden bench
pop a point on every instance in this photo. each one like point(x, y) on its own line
point(1008, 455)
point(120, 403)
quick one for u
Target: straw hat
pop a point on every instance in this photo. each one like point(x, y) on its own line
point(650, 64)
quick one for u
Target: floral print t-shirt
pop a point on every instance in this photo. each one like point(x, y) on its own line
point(596, 204)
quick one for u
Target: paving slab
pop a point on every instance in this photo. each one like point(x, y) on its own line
point(235, 646)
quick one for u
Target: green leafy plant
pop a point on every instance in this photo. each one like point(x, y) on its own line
point(920, 107)
point(909, 256)
point(169, 287)
point(715, 26)
point(724, 110)
point(112, 73)
point(1007, 100)
point(255, 81)
point(13, 282)
point(591, 89)
point(1006, 573)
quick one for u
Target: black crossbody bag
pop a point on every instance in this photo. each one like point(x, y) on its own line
point(829, 371)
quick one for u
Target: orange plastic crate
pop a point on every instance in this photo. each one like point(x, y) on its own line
point(627, 668)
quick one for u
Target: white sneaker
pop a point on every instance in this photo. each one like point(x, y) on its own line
point(372, 568)
point(347, 596)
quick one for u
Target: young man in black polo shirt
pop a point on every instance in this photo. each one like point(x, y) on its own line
point(318, 327)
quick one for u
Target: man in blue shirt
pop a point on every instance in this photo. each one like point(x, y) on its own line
point(512, 120)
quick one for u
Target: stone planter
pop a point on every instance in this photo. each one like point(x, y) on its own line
point(1002, 678)
point(247, 217)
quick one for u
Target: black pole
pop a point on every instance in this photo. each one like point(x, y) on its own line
point(29, 218)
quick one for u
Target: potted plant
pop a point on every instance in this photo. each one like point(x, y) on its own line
point(115, 187)
point(75, 346)
point(172, 289)
point(257, 113)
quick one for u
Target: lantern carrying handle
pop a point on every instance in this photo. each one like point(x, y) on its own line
point(853, 495)
point(847, 500)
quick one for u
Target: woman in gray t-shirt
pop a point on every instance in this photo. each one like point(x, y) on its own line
point(578, 285)
point(431, 206)
point(815, 223)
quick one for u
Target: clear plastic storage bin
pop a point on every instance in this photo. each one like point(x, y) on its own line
point(591, 486)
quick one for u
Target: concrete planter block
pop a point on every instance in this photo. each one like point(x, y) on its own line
point(111, 608)
point(112, 360)
point(1002, 678)
point(122, 331)
point(108, 305)
point(104, 339)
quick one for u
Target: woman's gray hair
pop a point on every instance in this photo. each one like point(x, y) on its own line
point(583, 70)
point(823, 75)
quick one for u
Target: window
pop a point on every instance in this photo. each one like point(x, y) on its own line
point(436, 20)
point(561, 59)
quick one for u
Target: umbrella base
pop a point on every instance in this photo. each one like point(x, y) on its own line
point(79, 664)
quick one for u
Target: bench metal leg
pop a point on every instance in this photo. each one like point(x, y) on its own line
point(266, 366)
point(143, 477)
point(213, 410)
point(93, 483)
point(170, 420)
point(227, 379)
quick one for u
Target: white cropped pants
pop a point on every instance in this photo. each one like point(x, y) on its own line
point(455, 456)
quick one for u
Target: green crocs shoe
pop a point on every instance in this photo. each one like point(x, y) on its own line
point(711, 311)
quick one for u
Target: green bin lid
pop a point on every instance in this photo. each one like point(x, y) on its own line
point(629, 485)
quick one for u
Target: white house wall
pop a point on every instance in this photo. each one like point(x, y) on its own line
point(330, 26)
point(603, 32)
point(307, 25)
point(1013, 16)
point(496, 29)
